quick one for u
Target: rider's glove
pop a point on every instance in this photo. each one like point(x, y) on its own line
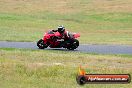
point(54, 30)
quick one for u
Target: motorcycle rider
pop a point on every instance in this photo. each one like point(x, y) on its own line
point(64, 35)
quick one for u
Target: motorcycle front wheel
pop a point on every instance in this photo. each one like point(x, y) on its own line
point(41, 44)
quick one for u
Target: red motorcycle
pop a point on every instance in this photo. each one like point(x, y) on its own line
point(52, 39)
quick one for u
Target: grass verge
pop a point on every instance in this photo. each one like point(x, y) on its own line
point(52, 68)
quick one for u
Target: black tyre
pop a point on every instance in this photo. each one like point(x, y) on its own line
point(81, 80)
point(41, 44)
point(74, 45)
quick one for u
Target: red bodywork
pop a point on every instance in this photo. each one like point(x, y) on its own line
point(48, 38)
point(76, 35)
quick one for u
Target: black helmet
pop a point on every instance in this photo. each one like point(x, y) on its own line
point(61, 29)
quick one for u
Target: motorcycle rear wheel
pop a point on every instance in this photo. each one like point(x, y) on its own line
point(74, 45)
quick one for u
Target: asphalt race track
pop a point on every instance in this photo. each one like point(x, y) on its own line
point(88, 48)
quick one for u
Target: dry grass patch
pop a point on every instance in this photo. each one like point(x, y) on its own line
point(34, 6)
